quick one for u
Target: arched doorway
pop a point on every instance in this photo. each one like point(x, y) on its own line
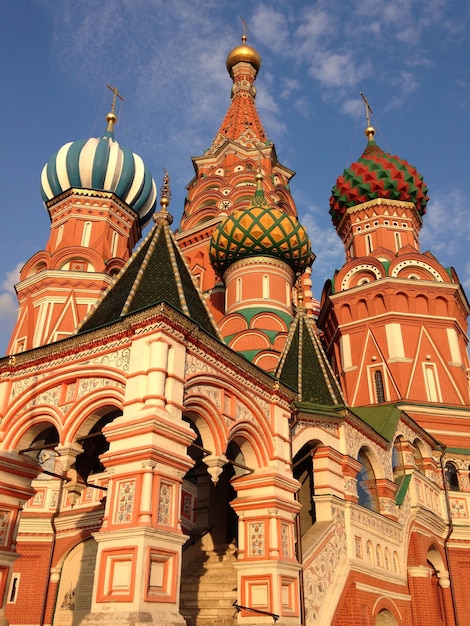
point(210, 521)
point(75, 590)
point(302, 467)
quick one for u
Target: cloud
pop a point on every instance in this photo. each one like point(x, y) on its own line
point(446, 232)
point(326, 245)
point(8, 304)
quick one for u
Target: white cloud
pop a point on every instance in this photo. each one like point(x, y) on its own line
point(8, 305)
point(446, 232)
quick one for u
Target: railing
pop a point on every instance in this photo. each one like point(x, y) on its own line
point(239, 608)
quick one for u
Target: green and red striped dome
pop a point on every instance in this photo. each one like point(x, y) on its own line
point(377, 174)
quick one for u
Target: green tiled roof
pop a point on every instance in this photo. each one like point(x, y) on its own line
point(383, 418)
point(304, 366)
point(156, 272)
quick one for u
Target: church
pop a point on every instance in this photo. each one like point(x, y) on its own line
point(188, 437)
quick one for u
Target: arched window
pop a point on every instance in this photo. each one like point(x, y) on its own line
point(238, 290)
point(86, 234)
point(303, 472)
point(452, 477)
point(398, 465)
point(114, 244)
point(366, 485)
point(397, 241)
point(418, 456)
point(60, 233)
point(368, 244)
point(265, 287)
point(379, 387)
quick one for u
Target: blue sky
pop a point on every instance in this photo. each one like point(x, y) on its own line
point(410, 57)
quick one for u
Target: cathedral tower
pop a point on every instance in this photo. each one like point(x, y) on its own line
point(98, 195)
point(393, 317)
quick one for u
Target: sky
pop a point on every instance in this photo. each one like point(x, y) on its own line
point(411, 58)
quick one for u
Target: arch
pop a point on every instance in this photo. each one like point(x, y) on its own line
point(385, 618)
point(303, 471)
point(366, 482)
point(256, 448)
point(89, 255)
point(76, 581)
point(86, 235)
point(452, 476)
point(418, 452)
point(424, 270)
point(441, 306)
point(379, 304)
point(422, 304)
point(398, 459)
point(94, 443)
point(41, 437)
point(29, 425)
point(362, 309)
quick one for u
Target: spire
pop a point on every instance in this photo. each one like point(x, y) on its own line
point(157, 272)
point(304, 366)
point(242, 122)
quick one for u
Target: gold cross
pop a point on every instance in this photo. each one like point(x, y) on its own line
point(369, 111)
point(116, 94)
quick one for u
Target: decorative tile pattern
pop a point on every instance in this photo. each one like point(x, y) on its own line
point(256, 535)
point(164, 504)
point(358, 544)
point(285, 540)
point(320, 572)
point(458, 507)
point(4, 523)
point(125, 505)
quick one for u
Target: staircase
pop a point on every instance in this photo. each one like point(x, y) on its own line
point(209, 586)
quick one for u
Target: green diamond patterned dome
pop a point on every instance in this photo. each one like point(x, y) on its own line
point(260, 231)
point(377, 174)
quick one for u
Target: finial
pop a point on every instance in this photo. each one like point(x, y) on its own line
point(165, 192)
point(111, 118)
point(370, 130)
point(165, 198)
point(259, 199)
point(300, 293)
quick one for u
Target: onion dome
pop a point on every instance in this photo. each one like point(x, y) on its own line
point(260, 230)
point(377, 174)
point(101, 164)
point(243, 53)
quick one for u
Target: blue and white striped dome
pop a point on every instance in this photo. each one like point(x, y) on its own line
point(103, 165)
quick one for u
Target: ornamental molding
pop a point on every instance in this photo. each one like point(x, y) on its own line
point(319, 572)
point(52, 396)
point(200, 361)
point(48, 359)
point(355, 440)
point(376, 524)
point(219, 397)
point(119, 359)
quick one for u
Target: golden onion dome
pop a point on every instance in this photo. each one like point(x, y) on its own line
point(243, 53)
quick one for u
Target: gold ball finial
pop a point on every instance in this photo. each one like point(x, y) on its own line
point(244, 53)
point(369, 132)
